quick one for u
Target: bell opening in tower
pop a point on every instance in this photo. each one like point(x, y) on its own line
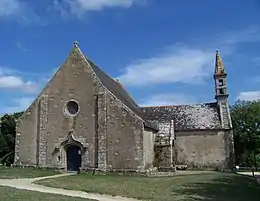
point(220, 83)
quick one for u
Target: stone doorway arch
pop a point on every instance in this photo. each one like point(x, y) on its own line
point(74, 151)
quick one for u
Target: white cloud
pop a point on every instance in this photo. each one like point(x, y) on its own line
point(251, 34)
point(8, 81)
point(25, 13)
point(20, 11)
point(99, 4)
point(249, 95)
point(13, 80)
point(80, 7)
point(19, 105)
point(186, 64)
point(179, 64)
point(10, 7)
point(168, 99)
point(11, 71)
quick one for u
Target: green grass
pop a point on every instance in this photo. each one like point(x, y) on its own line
point(12, 194)
point(196, 187)
point(15, 173)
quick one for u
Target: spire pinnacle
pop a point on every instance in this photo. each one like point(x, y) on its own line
point(219, 68)
point(76, 43)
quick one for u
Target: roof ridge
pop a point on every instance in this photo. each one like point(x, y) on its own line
point(178, 105)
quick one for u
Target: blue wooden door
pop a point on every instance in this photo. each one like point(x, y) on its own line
point(73, 158)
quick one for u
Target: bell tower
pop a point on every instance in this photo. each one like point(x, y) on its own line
point(221, 95)
point(221, 92)
point(220, 77)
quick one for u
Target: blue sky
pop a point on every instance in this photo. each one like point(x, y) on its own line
point(162, 51)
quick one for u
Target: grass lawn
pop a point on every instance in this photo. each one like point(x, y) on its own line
point(196, 187)
point(15, 172)
point(12, 194)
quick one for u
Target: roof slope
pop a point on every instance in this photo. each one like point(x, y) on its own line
point(198, 116)
point(119, 91)
point(115, 88)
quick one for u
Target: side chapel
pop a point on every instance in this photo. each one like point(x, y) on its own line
point(85, 119)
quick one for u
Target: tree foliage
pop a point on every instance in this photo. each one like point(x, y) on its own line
point(246, 123)
point(7, 137)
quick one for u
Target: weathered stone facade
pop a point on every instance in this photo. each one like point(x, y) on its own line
point(83, 108)
point(107, 131)
point(203, 135)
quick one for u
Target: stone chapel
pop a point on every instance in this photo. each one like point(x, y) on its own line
point(84, 119)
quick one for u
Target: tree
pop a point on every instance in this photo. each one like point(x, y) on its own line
point(7, 137)
point(246, 123)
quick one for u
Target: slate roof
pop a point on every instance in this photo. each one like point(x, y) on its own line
point(198, 116)
point(115, 88)
point(119, 91)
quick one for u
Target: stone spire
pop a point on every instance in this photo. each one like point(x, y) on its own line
point(219, 67)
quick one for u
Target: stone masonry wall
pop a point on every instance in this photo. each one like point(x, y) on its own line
point(102, 132)
point(26, 139)
point(45, 122)
point(202, 132)
point(230, 152)
point(68, 85)
point(124, 136)
point(148, 148)
point(42, 134)
point(201, 149)
point(163, 156)
point(226, 124)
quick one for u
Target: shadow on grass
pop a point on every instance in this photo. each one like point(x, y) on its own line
point(214, 186)
point(227, 188)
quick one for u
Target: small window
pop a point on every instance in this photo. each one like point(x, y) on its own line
point(72, 108)
point(221, 91)
point(220, 83)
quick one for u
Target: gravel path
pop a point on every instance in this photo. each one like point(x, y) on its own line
point(27, 184)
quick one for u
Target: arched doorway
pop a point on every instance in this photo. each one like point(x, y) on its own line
point(73, 157)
